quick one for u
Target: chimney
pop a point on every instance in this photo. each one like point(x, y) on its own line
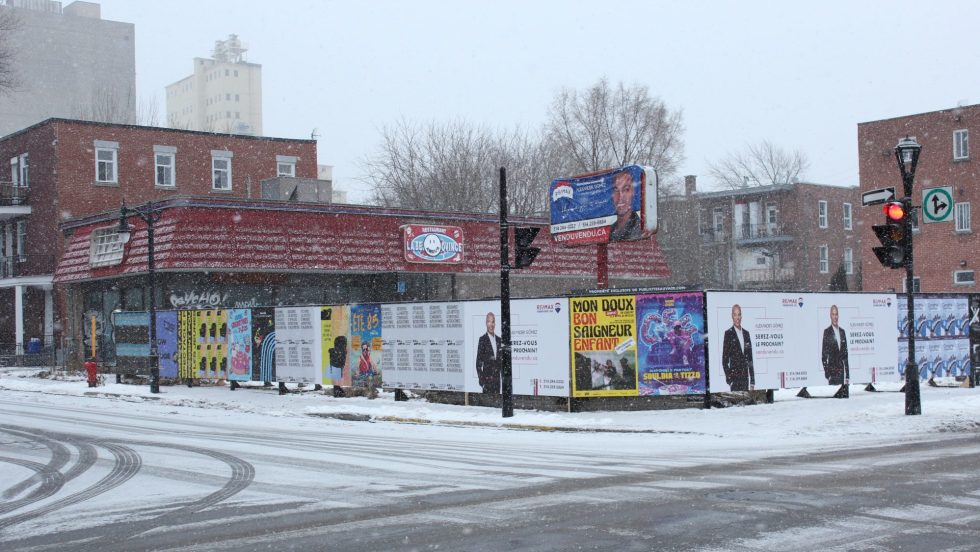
point(690, 184)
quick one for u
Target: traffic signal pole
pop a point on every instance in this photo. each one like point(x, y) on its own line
point(507, 384)
point(913, 400)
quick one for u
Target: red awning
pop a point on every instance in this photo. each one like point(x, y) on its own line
point(329, 239)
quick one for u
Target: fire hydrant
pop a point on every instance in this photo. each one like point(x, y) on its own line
point(92, 370)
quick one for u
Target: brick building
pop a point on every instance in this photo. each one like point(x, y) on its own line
point(64, 169)
point(947, 254)
point(791, 236)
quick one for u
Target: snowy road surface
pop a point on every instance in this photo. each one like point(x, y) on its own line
point(207, 469)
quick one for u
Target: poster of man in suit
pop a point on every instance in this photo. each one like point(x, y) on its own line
point(488, 357)
point(833, 351)
point(736, 355)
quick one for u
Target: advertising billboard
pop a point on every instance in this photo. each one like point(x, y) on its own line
point(942, 336)
point(603, 335)
point(367, 349)
point(334, 345)
point(603, 207)
point(240, 344)
point(538, 341)
point(298, 345)
point(423, 346)
point(773, 340)
point(670, 346)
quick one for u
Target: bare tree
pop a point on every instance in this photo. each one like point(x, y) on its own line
point(439, 166)
point(760, 164)
point(605, 127)
point(9, 23)
point(106, 105)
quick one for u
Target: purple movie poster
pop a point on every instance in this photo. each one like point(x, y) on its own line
point(671, 344)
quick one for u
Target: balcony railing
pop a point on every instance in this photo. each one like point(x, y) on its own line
point(13, 195)
point(765, 275)
point(761, 231)
point(26, 265)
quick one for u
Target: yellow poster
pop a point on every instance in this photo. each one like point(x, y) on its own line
point(211, 343)
point(603, 335)
point(187, 348)
point(334, 329)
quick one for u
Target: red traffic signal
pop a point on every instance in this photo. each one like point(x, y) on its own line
point(896, 243)
point(894, 211)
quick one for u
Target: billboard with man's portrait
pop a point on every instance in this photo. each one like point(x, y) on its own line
point(603, 207)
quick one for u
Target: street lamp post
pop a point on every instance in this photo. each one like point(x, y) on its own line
point(907, 154)
point(150, 216)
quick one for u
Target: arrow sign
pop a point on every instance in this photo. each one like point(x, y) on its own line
point(937, 204)
point(880, 195)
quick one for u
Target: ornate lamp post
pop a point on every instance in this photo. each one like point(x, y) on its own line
point(907, 154)
point(150, 216)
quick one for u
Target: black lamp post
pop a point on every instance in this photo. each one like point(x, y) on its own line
point(150, 216)
point(907, 154)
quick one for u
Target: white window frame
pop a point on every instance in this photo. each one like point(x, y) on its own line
point(286, 165)
point(848, 217)
point(105, 247)
point(961, 144)
point(772, 214)
point(221, 157)
point(848, 260)
point(21, 240)
point(25, 173)
point(822, 217)
point(958, 282)
point(14, 171)
point(111, 164)
point(718, 221)
point(169, 154)
point(961, 214)
point(824, 259)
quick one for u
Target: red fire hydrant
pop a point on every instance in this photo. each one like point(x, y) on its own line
point(92, 369)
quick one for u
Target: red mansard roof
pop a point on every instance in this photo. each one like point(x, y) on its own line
point(266, 237)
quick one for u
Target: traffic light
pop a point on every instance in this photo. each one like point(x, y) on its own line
point(524, 254)
point(895, 243)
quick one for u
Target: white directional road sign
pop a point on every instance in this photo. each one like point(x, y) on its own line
point(937, 204)
point(875, 197)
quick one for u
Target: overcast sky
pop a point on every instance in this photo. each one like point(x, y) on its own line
point(800, 75)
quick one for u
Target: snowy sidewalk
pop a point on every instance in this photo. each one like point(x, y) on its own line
point(878, 414)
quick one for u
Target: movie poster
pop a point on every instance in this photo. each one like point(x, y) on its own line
point(670, 344)
point(240, 344)
point(603, 335)
point(333, 335)
point(365, 359)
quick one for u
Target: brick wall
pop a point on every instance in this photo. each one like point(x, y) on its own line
point(939, 249)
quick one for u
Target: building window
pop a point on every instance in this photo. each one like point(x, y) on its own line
point(824, 259)
point(848, 260)
point(22, 240)
point(718, 220)
point(106, 161)
point(964, 278)
point(221, 170)
point(822, 213)
point(961, 144)
point(227, 97)
point(772, 213)
point(25, 174)
point(237, 96)
point(962, 216)
point(105, 247)
point(19, 171)
point(916, 285)
point(285, 165)
point(236, 72)
point(166, 157)
point(848, 217)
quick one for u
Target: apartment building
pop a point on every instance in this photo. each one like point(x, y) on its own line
point(946, 253)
